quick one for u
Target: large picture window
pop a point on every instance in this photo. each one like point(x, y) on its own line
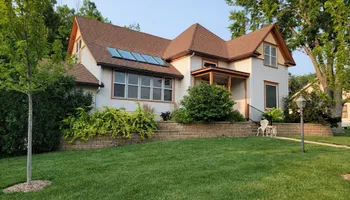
point(136, 86)
point(270, 55)
point(271, 95)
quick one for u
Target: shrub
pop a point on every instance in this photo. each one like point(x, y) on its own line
point(236, 116)
point(180, 115)
point(166, 116)
point(274, 115)
point(148, 108)
point(108, 120)
point(205, 103)
point(50, 106)
point(317, 109)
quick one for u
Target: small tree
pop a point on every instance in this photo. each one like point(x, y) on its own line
point(23, 48)
point(207, 103)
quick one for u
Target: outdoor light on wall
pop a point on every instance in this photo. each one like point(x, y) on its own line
point(301, 102)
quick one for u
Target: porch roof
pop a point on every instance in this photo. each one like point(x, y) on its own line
point(220, 70)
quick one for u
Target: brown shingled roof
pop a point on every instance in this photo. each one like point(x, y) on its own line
point(98, 36)
point(199, 39)
point(82, 75)
point(196, 38)
point(247, 44)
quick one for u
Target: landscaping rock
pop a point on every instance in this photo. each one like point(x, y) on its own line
point(24, 187)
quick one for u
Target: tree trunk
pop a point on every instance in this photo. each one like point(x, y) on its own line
point(336, 111)
point(29, 148)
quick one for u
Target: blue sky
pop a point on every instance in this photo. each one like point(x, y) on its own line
point(168, 19)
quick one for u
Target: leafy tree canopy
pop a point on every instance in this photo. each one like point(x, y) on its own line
point(320, 28)
point(298, 82)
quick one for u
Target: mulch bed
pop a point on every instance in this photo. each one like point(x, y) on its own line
point(346, 177)
point(24, 187)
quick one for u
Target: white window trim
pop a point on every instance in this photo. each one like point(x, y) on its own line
point(269, 54)
point(139, 85)
point(277, 95)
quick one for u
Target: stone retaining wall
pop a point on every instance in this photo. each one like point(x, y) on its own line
point(174, 131)
point(285, 129)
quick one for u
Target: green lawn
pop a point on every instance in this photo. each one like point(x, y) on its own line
point(217, 168)
point(340, 138)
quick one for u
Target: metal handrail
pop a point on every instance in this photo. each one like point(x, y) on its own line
point(252, 109)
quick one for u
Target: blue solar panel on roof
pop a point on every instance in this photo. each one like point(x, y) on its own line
point(138, 57)
point(150, 59)
point(113, 52)
point(159, 60)
point(126, 54)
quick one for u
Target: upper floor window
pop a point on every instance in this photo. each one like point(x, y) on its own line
point(271, 95)
point(136, 86)
point(207, 63)
point(270, 55)
point(78, 46)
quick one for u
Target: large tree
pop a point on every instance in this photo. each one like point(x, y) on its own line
point(319, 28)
point(25, 64)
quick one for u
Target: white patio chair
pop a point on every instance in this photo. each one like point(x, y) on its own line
point(263, 125)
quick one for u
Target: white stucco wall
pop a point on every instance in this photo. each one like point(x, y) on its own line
point(89, 62)
point(261, 73)
point(183, 66)
point(238, 95)
point(346, 120)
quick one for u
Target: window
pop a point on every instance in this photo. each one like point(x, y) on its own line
point(135, 86)
point(138, 57)
point(159, 60)
point(270, 55)
point(78, 47)
point(114, 52)
point(119, 84)
point(345, 111)
point(150, 59)
point(207, 63)
point(126, 54)
point(271, 95)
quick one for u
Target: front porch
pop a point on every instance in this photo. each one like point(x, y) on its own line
point(235, 81)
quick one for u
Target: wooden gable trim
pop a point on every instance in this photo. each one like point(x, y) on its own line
point(72, 36)
point(276, 34)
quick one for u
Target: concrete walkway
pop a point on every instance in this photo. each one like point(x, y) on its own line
point(312, 142)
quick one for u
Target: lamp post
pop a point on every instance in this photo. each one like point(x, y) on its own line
point(301, 102)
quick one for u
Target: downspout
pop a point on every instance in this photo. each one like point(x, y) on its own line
point(99, 87)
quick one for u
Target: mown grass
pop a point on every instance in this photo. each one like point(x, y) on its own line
point(338, 138)
point(217, 168)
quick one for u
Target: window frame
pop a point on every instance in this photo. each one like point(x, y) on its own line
point(139, 85)
point(78, 45)
point(209, 61)
point(270, 83)
point(344, 112)
point(270, 55)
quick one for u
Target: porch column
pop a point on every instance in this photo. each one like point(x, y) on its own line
point(229, 83)
point(211, 78)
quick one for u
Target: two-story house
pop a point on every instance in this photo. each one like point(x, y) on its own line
point(121, 66)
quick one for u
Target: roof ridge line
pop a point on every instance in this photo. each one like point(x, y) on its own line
point(110, 24)
point(192, 38)
point(249, 33)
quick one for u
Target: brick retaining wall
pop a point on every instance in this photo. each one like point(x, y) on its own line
point(174, 131)
point(285, 129)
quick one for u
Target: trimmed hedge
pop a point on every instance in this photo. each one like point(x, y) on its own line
point(50, 107)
